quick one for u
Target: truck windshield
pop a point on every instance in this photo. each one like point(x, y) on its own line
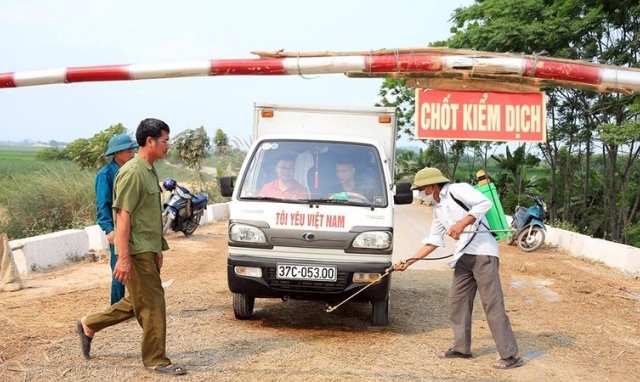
point(318, 172)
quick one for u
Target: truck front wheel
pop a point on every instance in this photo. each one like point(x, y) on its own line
point(380, 312)
point(243, 306)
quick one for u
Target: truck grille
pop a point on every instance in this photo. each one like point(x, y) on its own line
point(308, 286)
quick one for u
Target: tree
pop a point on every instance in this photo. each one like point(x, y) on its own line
point(192, 146)
point(513, 174)
point(231, 155)
point(395, 93)
point(89, 153)
point(408, 163)
point(605, 32)
point(51, 154)
point(221, 141)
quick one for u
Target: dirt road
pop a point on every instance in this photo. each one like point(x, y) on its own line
point(575, 321)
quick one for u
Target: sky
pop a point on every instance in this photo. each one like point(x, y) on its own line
point(45, 34)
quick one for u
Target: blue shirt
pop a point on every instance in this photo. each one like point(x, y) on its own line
point(104, 195)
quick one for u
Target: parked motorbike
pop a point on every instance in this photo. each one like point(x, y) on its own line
point(182, 209)
point(528, 226)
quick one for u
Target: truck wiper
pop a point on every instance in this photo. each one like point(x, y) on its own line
point(323, 200)
point(272, 199)
point(338, 201)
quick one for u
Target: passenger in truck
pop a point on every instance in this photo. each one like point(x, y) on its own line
point(285, 186)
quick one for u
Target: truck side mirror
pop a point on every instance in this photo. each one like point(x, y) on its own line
point(226, 185)
point(403, 195)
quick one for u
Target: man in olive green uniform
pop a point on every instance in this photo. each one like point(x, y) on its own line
point(139, 244)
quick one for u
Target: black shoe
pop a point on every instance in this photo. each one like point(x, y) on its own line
point(450, 353)
point(85, 341)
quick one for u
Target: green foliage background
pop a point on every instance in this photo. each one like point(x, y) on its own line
point(591, 173)
point(39, 197)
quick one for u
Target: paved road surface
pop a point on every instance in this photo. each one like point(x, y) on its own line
point(412, 224)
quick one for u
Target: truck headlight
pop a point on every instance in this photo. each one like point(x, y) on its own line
point(373, 239)
point(242, 233)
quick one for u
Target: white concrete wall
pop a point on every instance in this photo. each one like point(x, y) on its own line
point(97, 238)
point(56, 248)
point(50, 249)
point(215, 212)
point(623, 257)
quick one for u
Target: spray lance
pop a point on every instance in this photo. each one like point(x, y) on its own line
point(390, 270)
point(387, 272)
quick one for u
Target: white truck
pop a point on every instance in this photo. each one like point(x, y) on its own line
point(326, 233)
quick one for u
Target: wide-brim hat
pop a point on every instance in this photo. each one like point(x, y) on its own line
point(428, 176)
point(120, 142)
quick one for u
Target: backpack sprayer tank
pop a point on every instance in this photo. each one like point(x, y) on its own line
point(495, 216)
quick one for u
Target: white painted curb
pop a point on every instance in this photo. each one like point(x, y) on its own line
point(56, 248)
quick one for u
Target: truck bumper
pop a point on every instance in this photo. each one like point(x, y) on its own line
point(269, 286)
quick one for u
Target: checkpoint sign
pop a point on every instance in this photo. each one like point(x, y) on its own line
point(480, 116)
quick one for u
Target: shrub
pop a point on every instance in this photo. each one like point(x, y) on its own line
point(51, 154)
point(567, 226)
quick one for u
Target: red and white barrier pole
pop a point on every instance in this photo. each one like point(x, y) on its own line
point(399, 64)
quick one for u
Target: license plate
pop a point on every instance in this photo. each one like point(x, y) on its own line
point(306, 272)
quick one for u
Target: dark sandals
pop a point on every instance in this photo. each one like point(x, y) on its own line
point(508, 363)
point(501, 363)
point(85, 341)
point(450, 353)
point(172, 369)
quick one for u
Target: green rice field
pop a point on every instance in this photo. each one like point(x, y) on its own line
point(19, 152)
point(16, 160)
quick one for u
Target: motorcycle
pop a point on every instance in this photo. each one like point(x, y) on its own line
point(182, 209)
point(528, 226)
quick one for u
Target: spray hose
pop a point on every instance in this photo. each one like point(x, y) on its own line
point(390, 270)
point(387, 272)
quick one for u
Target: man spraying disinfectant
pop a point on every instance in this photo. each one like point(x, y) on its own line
point(458, 211)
